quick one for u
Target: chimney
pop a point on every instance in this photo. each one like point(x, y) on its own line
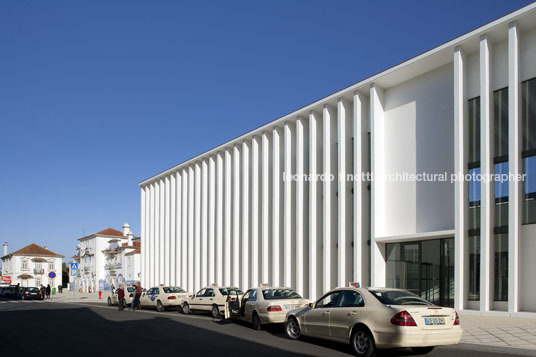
point(5, 248)
point(126, 229)
point(130, 237)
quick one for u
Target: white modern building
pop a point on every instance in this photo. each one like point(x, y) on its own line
point(32, 266)
point(107, 258)
point(466, 107)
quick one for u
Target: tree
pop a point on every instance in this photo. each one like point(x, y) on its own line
point(65, 274)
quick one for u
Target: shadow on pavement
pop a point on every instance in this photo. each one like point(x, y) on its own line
point(82, 332)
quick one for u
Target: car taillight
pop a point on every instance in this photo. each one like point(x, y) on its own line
point(274, 308)
point(457, 320)
point(403, 318)
point(172, 297)
point(25, 293)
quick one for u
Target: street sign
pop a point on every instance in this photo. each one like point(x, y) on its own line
point(51, 275)
point(74, 269)
point(6, 279)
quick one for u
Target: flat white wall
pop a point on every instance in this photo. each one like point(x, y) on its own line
point(527, 246)
point(418, 127)
point(527, 55)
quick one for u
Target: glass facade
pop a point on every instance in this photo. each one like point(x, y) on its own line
point(474, 268)
point(474, 199)
point(501, 267)
point(528, 116)
point(500, 219)
point(425, 268)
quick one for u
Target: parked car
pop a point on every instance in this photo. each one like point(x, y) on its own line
point(267, 305)
point(212, 299)
point(30, 293)
point(9, 291)
point(163, 297)
point(376, 318)
point(130, 291)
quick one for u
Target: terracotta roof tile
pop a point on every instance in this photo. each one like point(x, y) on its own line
point(135, 251)
point(37, 250)
point(110, 232)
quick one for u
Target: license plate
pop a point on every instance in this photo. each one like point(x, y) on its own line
point(291, 307)
point(434, 320)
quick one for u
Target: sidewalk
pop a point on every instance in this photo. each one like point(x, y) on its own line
point(75, 296)
point(515, 332)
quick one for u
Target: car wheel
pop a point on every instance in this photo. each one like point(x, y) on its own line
point(159, 306)
point(216, 312)
point(292, 328)
point(256, 322)
point(362, 343)
point(185, 308)
point(109, 302)
point(422, 350)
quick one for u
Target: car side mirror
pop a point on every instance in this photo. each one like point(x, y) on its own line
point(311, 305)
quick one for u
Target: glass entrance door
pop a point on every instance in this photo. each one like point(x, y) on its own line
point(425, 268)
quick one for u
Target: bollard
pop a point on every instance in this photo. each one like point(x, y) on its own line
point(100, 295)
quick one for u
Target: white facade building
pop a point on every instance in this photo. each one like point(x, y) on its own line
point(228, 216)
point(32, 265)
point(107, 258)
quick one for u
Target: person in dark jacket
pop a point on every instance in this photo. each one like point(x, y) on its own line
point(17, 291)
point(121, 297)
point(43, 292)
point(137, 296)
point(48, 291)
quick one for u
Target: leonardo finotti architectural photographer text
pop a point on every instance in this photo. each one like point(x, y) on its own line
point(407, 177)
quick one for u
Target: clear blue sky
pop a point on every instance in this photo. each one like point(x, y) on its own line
point(96, 96)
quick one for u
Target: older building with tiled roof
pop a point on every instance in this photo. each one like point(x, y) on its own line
point(36, 250)
point(103, 260)
point(32, 265)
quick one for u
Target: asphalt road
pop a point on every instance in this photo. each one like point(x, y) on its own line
point(44, 328)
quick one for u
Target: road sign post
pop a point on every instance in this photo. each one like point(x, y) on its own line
point(74, 273)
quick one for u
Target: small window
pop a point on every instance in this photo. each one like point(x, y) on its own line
point(253, 296)
point(329, 300)
point(24, 264)
point(51, 266)
point(350, 298)
point(201, 293)
point(209, 293)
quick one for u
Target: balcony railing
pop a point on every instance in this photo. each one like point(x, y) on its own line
point(39, 271)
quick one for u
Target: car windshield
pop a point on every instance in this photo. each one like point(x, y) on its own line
point(168, 290)
point(398, 297)
point(276, 294)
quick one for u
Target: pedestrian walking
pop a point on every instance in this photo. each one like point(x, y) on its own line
point(137, 295)
point(121, 297)
point(17, 291)
point(48, 291)
point(43, 292)
point(133, 299)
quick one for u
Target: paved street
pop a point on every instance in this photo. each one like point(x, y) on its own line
point(26, 326)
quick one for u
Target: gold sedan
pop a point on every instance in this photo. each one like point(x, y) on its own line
point(267, 305)
point(376, 318)
point(212, 299)
point(163, 297)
